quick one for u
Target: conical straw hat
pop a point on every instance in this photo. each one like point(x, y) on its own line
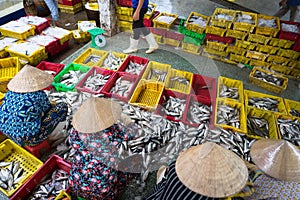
point(96, 114)
point(30, 79)
point(278, 158)
point(211, 170)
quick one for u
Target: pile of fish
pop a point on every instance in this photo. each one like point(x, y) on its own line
point(10, 174)
point(229, 92)
point(224, 16)
point(122, 87)
point(173, 107)
point(165, 19)
point(25, 48)
point(112, 62)
point(199, 113)
point(52, 186)
point(92, 59)
point(290, 28)
point(264, 103)
point(290, 130)
point(34, 20)
point(6, 41)
point(85, 26)
point(43, 40)
point(228, 115)
point(267, 23)
point(16, 26)
point(157, 74)
point(198, 20)
point(72, 77)
point(96, 81)
point(150, 8)
point(178, 79)
point(269, 78)
point(295, 113)
point(258, 126)
point(56, 32)
point(50, 72)
point(134, 68)
point(244, 18)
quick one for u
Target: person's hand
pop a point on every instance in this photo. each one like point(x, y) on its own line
point(136, 15)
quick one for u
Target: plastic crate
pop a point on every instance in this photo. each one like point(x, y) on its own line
point(239, 59)
point(53, 163)
point(231, 83)
point(194, 41)
point(38, 149)
point(148, 15)
point(172, 42)
point(236, 50)
point(182, 29)
point(147, 95)
point(204, 86)
point(45, 23)
point(70, 9)
point(158, 31)
point(258, 63)
point(149, 22)
point(226, 60)
point(124, 24)
point(245, 45)
point(94, 70)
point(124, 10)
point(215, 30)
point(269, 117)
point(242, 116)
point(244, 26)
point(296, 46)
point(236, 34)
point(124, 18)
point(214, 52)
point(85, 26)
point(174, 35)
point(294, 64)
point(256, 55)
point(159, 38)
point(256, 38)
point(7, 30)
point(10, 151)
point(9, 67)
point(287, 35)
point(80, 37)
point(224, 40)
point(160, 24)
point(222, 22)
point(295, 73)
point(106, 89)
point(69, 2)
point(63, 195)
point(195, 27)
point(50, 48)
point(281, 69)
point(291, 104)
point(125, 3)
point(53, 31)
point(267, 49)
point(286, 44)
point(270, 31)
point(3, 53)
point(288, 53)
point(216, 45)
point(64, 88)
point(82, 58)
point(152, 65)
point(277, 59)
point(190, 48)
point(135, 59)
point(122, 56)
point(251, 94)
point(177, 86)
point(49, 66)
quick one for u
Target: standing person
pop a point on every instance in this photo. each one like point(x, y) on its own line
point(26, 115)
point(53, 7)
point(286, 5)
point(140, 8)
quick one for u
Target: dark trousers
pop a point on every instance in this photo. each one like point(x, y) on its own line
point(138, 26)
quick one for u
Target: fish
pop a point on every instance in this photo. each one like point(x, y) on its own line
point(197, 20)
point(96, 81)
point(92, 58)
point(228, 115)
point(155, 74)
point(264, 103)
point(112, 62)
point(295, 112)
point(289, 130)
point(199, 113)
point(228, 92)
point(11, 173)
point(269, 78)
point(165, 19)
point(245, 18)
point(122, 87)
point(173, 107)
point(71, 77)
point(134, 68)
point(258, 126)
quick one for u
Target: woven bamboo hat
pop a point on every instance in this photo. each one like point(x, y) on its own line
point(30, 79)
point(211, 170)
point(96, 114)
point(278, 158)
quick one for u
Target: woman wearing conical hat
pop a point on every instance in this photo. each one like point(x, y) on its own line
point(26, 115)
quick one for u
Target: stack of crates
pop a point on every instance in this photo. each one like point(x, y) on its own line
point(124, 15)
point(70, 6)
point(82, 34)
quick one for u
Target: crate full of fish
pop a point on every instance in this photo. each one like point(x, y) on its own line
point(230, 115)
point(286, 44)
point(62, 34)
point(156, 71)
point(84, 26)
point(267, 25)
point(223, 18)
point(179, 81)
point(245, 21)
point(27, 51)
point(230, 88)
point(47, 182)
point(4, 42)
point(265, 102)
point(16, 166)
point(50, 43)
point(66, 79)
point(287, 53)
point(120, 86)
point(261, 124)
point(197, 22)
point(292, 107)
point(94, 80)
point(9, 67)
point(147, 95)
point(190, 48)
point(164, 20)
point(40, 23)
point(204, 86)
point(70, 9)
point(114, 60)
point(91, 57)
point(241, 35)
point(16, 29)
point(288, 128)
point(245, 44)
point(134, 65)
point(289, 30)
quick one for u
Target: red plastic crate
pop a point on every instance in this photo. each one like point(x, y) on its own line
point(134, 59)
point(111, 82)
point(158, 31)
point(69, 2)
point(227, 40)
point(174, 35)
point(98, 70)
point(289, 35)
point(125, 3)
point(55, 67)
point(296, 46)
point(204, 86)
point(38, 149)
point(61, 47)
point(39, 28)
point(50, 48)
point(166, 94)
point(53, 163)
point(149, 22)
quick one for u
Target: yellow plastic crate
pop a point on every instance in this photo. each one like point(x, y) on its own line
point(29, 163)
point(251, 94)
point(226, 60)
point(1, 96)
point(243, 26)
point(70, 9)
point(3, 53)
point(268, 86)
point(281, 69)
point(152, 65)
point(277, 59)
point(215, 30)
point(160, 24)
point(216, 45)
point(159, 39)
point(82, 59)
point(231, 83)
point(286, 117)
point(269, 117)
point(124, 18)
point(215, 52)
point(236, 34)
point(276, 42)
point(295, 73)
point(266, 49)
point(288, 53)
point(195, 27)
point(239, 107)
point(80, 37)
point(123, 56)
point(190, 48)
point(177, 86)
point(127, 30)
point(258, 38)
point(149, 15)
point(239, 59)
point(245, 44)
point(267, 30)
point(256, 55)
point(9, 67)
point(124, 10)
point(62, 196)
point(236, 50)
point(20, 35)
point(147, 94)
point(258, 63)
point(291, 104)
point(172, 42)
point(222, 22)
point(62, 39)
point(294, 64)
point(125, 24)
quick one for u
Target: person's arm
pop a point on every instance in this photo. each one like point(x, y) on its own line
point(136, 14)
